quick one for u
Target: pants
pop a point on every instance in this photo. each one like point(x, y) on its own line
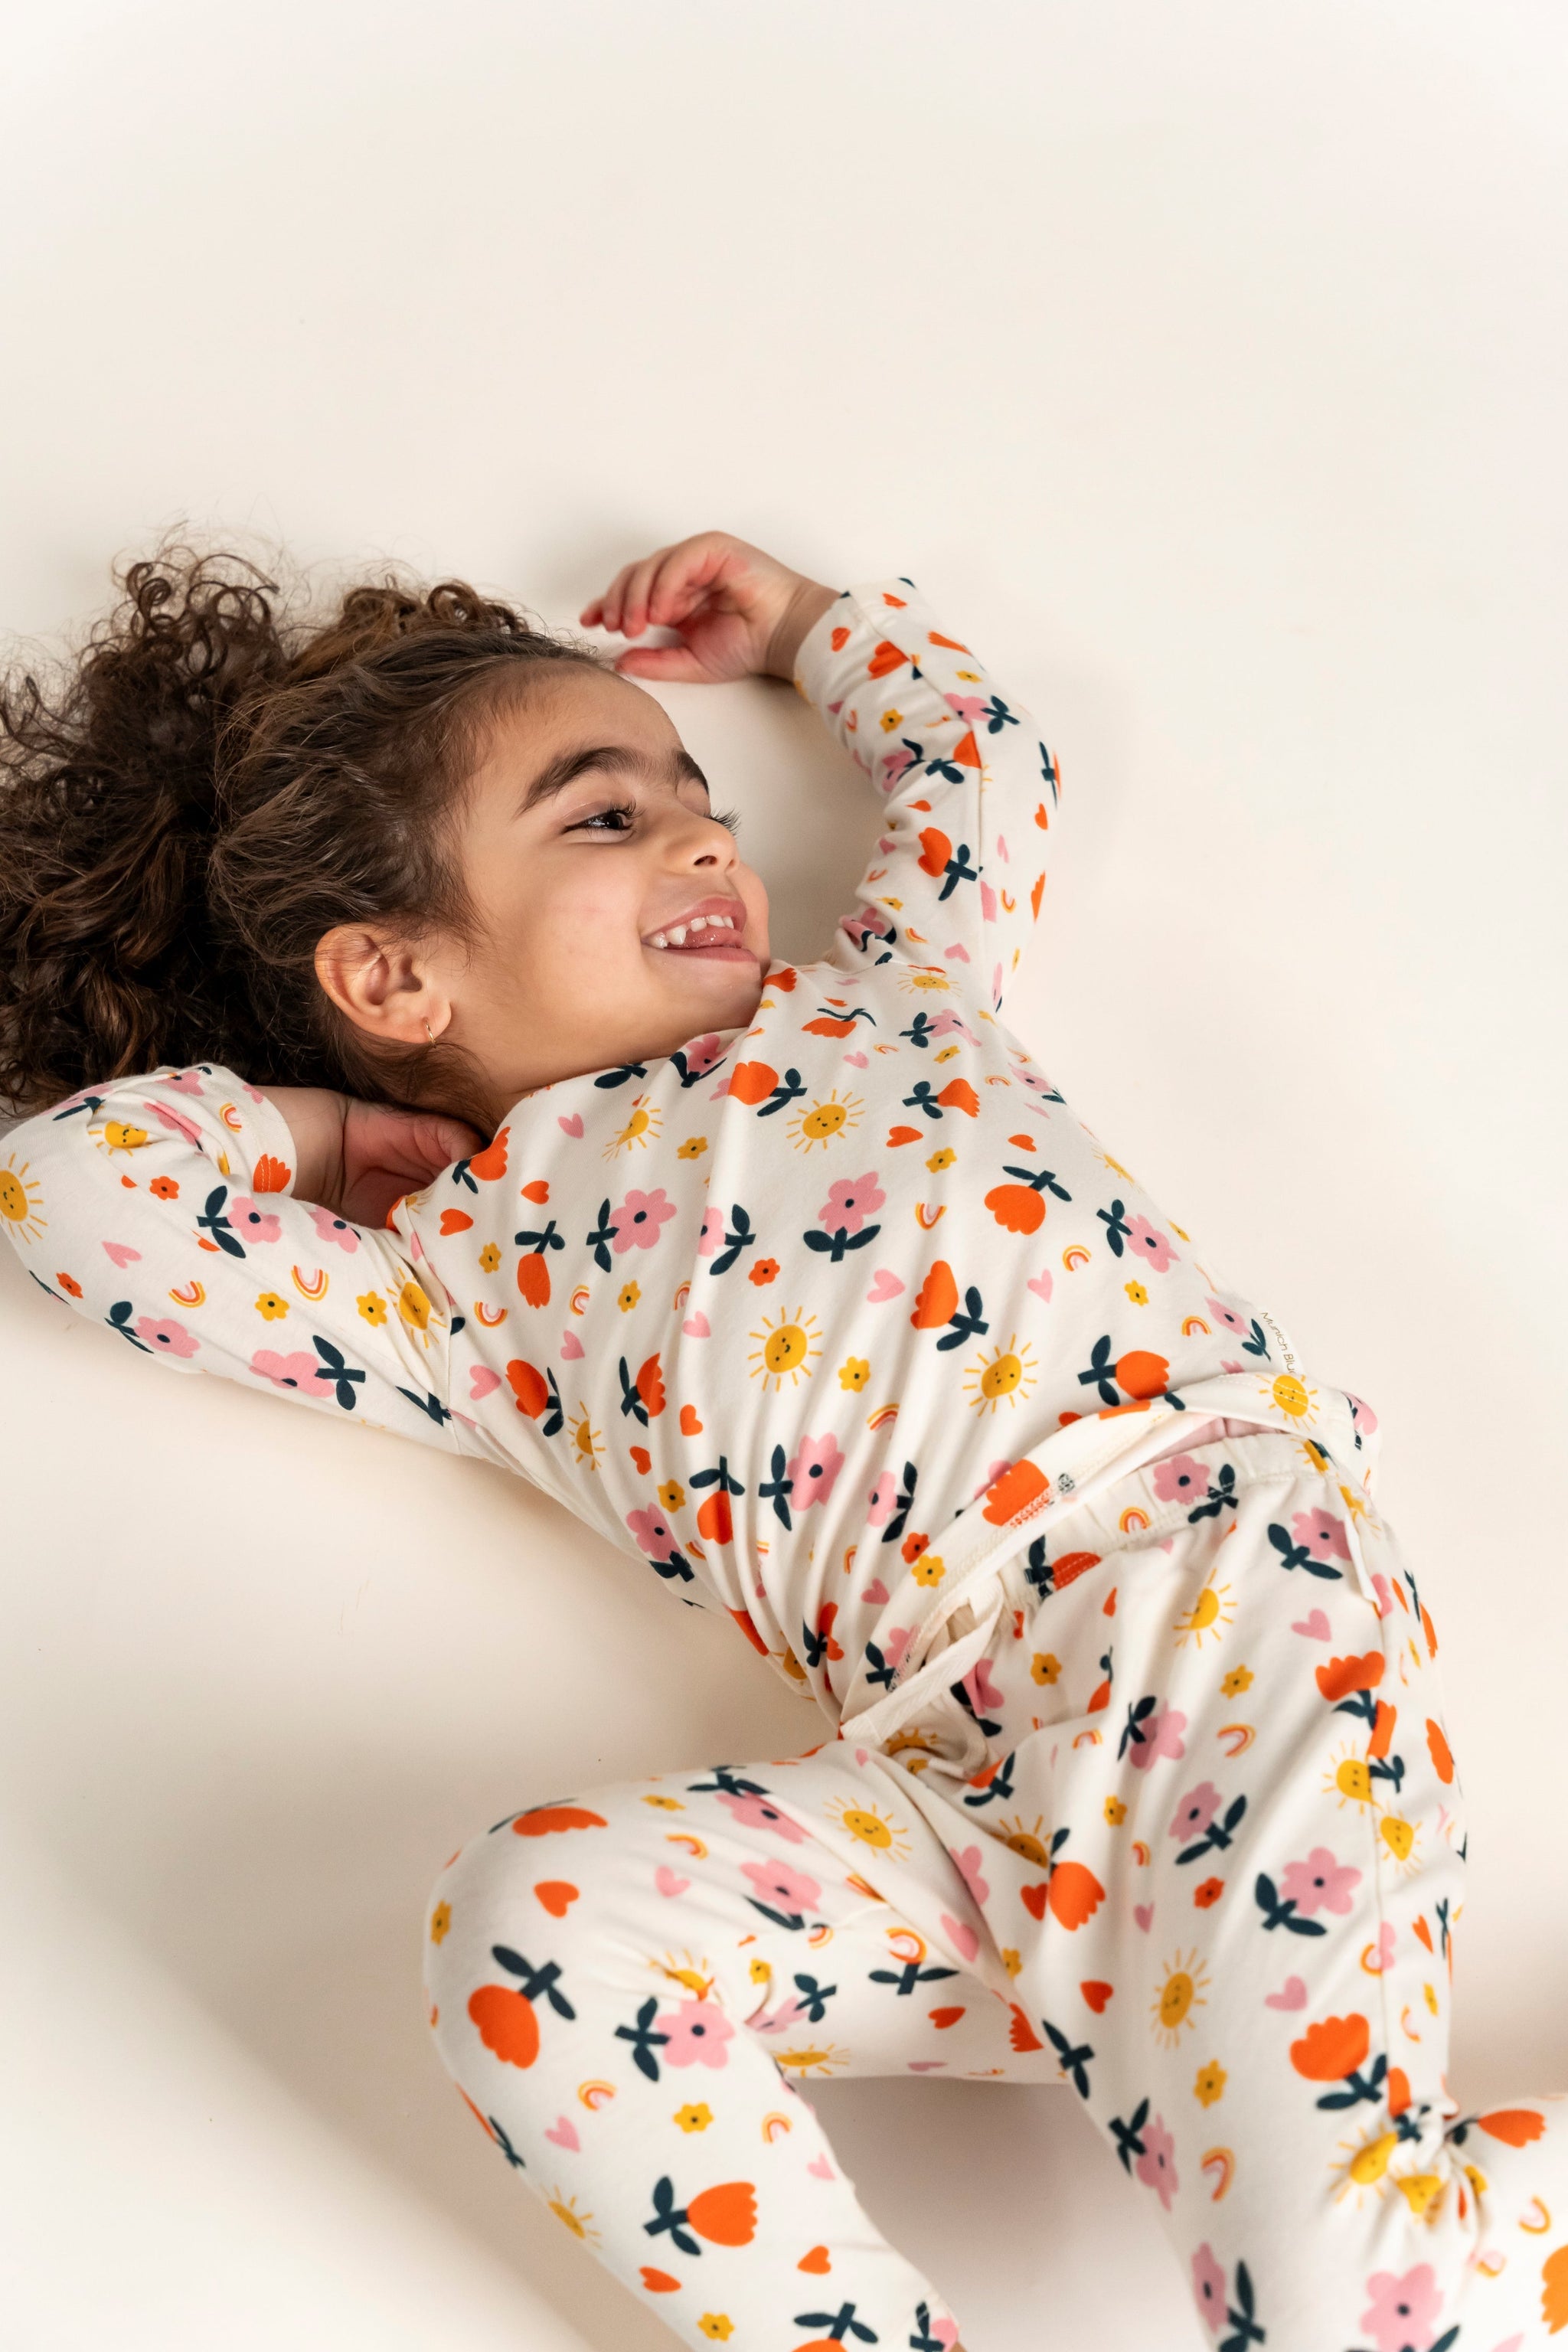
point(1188, 1835)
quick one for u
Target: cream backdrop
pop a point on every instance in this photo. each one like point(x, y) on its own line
point(1206, 365)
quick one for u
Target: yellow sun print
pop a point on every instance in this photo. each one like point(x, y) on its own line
point(1006, 1376)
point(1210, 1612)
point(821, 1121)
point(21, 1199)
point(785, 1349)
point(1182, 1992)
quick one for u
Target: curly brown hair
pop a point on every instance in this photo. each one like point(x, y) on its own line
point(212, 784)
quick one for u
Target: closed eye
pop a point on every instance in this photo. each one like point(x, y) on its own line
point(623, 810)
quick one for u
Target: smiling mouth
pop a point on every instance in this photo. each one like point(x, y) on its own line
point(714, 938)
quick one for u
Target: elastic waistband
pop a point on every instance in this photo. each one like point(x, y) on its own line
point(1064, 1479)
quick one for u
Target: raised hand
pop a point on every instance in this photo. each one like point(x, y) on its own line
point(357, 1157)
point(736, 611)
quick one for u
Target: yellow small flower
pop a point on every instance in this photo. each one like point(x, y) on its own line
point(666, 1804)
point(1238, 1679)
point(696, 2117)
point(716, 2325)
point(414, 1306)
point(672, 1494)
point(626, 1296)
point(761, 1973)
point(1136, 1292)
point(854, 1372)
point(490, 1256)
point(1011, 1960)
point(1043, 1667)
point(1180, 1235)
point(1115, 1811)
point(273, 1307)
point(1210, 2084)
point(440, 1920)
point(889, 720)
point(928, 1569)
point(693, 1148)
point(372, 1306)
point(940, 1159)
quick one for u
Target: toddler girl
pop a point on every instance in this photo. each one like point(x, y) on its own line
point(803, 1285)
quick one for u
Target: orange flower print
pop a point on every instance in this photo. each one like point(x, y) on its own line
point(69, 1284)
point(751, 1082)
point(1335, 2051)
point(272, 1175)
point(166, 1188)
point(1342, 1676)
point(1442, 1755)
point(765, 1270)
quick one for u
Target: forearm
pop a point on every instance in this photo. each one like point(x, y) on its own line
point(314, 1117)
point(806, 608)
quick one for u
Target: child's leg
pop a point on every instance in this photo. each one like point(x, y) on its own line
point(617, 1984)
point(1243, 1951)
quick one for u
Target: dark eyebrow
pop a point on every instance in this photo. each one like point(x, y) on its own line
point(617, 758)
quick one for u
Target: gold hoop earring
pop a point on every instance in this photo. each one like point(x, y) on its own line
point(429, 1032)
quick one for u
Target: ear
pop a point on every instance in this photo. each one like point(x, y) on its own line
point(382, 984)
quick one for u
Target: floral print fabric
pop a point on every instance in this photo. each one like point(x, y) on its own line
point(845, 1326)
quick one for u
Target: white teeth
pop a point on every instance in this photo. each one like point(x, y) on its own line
point(679, 935)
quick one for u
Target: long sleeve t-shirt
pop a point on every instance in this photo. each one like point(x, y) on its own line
point(770, 1313)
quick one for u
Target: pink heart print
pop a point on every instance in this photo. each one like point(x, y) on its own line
point(963, 1938)
point(1144, 1915)
point(670, 1882)
point(1316, 1627)
point(884, 1285)
point(1293, 1996)
point(571, 1346)
point(572, 1126)
point(563, 2132)
point(821, 2168)
point(856, 1061)
point(696, 1326)
point(876, 1591)
point(121, 1252)
point(481, 1380)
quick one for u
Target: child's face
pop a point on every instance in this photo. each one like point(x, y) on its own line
point(573, 866)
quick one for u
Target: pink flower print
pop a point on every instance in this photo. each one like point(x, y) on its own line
point(814, 1466)
point(896, 764)
point(881, 1500)
point(755, 1812)
point(1179, 1479)
point(969, 1865)
point(701, 1053)
point(189, 1082)
point(331, 1229)
point(970, 707)
point(651, 1530)
point(1195, 1811)
point(1156, 2168)
point(1229, 1318)
point(635, 1224)
point(1155, 1246)
point(1208, 2288)
point(1321, 1534)
point(254, 1222)
point(695, 2035)
point(952, 1024)
point(851, 1201)
point(779, 1889)
point(1319, 1883)
point(1161, 1736)
point(710, 1236)
point(1403, 2312)
point(301, 1373)
point(175, 1122)
point(897, 1643)
point(984, 1694)
point(1362, 1414)
point(168, 1337)
point(865, 924)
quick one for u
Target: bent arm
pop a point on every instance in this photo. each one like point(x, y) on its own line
point(163, 1206)
point(971, 789)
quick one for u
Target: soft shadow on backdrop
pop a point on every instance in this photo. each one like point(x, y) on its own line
point(1206, 367)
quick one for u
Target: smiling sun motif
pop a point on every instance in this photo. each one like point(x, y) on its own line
point(1210, 1612)
point(821, 1121)
point(1182, 1992)
point(870, 1828)
point(1005, 1377)
point(21, 1200)
point(640, 1130)
point(786, 1349)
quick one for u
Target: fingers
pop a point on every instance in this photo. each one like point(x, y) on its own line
point(673, 664)
point(660, 589)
